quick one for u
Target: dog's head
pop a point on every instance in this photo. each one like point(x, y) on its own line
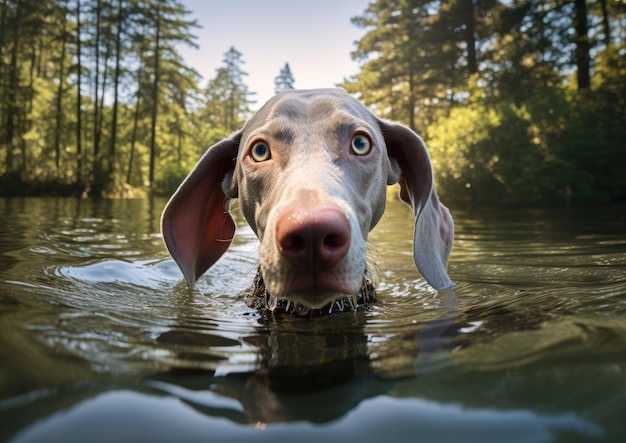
point(310, 170)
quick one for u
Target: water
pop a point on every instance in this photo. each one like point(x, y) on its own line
point(101, 341)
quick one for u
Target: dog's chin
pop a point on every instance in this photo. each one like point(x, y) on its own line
point(314, 297)
point(313, 291)
point(305, 298)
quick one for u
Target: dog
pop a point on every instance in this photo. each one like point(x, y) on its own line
point(310, 170)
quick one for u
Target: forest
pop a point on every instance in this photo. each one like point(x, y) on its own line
point(518, 101)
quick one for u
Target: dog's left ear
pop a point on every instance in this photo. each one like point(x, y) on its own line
point(196, 225)
point(434, 228)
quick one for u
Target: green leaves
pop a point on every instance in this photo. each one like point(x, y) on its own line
point(492, 87)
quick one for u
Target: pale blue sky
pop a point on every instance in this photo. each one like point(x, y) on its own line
point(315, 37)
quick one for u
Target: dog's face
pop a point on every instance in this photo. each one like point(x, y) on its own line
point(310, 170)
point(315, 159)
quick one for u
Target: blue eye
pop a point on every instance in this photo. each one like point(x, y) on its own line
point(361, 145)
point(260, 152)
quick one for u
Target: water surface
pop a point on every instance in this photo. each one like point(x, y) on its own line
point(101, 341)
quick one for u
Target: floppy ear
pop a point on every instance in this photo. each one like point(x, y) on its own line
point(196, 226)
point(434, 228)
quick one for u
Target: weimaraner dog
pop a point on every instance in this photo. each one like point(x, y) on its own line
point(310, 170)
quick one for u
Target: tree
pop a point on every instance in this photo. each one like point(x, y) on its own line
point(497, 88)
point(79, 94)
point(12, 87)
point(168, 85)
point(116, 82)
point(97, 28)
point(237, 102)
point(581, 38)
point(494, 87)
point(155, 96)
point(284, 80)
point(226, 97)
point(416, 56)
point(59, 99)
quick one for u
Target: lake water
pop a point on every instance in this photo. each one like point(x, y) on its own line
point(101, 341)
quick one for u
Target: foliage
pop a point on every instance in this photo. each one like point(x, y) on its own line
point(518, 100)
point(126, 116)
point(227, 96)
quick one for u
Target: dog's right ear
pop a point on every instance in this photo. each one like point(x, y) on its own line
point(196, 225)
point(434, 228)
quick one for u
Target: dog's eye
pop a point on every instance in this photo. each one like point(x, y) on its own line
point(260, 152)
point(361, 145)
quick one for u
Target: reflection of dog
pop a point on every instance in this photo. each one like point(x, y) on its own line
point(310, 170)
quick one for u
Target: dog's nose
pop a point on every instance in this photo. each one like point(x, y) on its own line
point(313, 238)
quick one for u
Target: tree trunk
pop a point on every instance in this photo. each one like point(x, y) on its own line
point(96, 108)
point(412, 100)
point(59, 101)
point(582, 44)
point(3, 28)
point(12, 91)
point(116, 82)
point(179, 140)
point(605, 23)
point(470, 36)
point(155, 99)
point(79, 150)
point(31, 78)
point(27, 123)
point(133, 139)
point(4, 24)
point(230, 122)
point(100, 122)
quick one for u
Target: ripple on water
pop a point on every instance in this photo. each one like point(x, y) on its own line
point(535, 323)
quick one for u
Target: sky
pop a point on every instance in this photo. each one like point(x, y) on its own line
point(316, 38)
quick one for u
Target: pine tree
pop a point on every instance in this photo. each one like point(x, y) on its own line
point(417, 56)
point(284, 80)
point(227, 95)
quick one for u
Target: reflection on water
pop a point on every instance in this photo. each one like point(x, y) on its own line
point(99, 337)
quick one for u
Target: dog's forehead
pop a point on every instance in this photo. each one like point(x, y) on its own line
point(329, 108)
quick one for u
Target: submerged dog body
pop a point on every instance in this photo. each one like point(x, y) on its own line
point(310, 170)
